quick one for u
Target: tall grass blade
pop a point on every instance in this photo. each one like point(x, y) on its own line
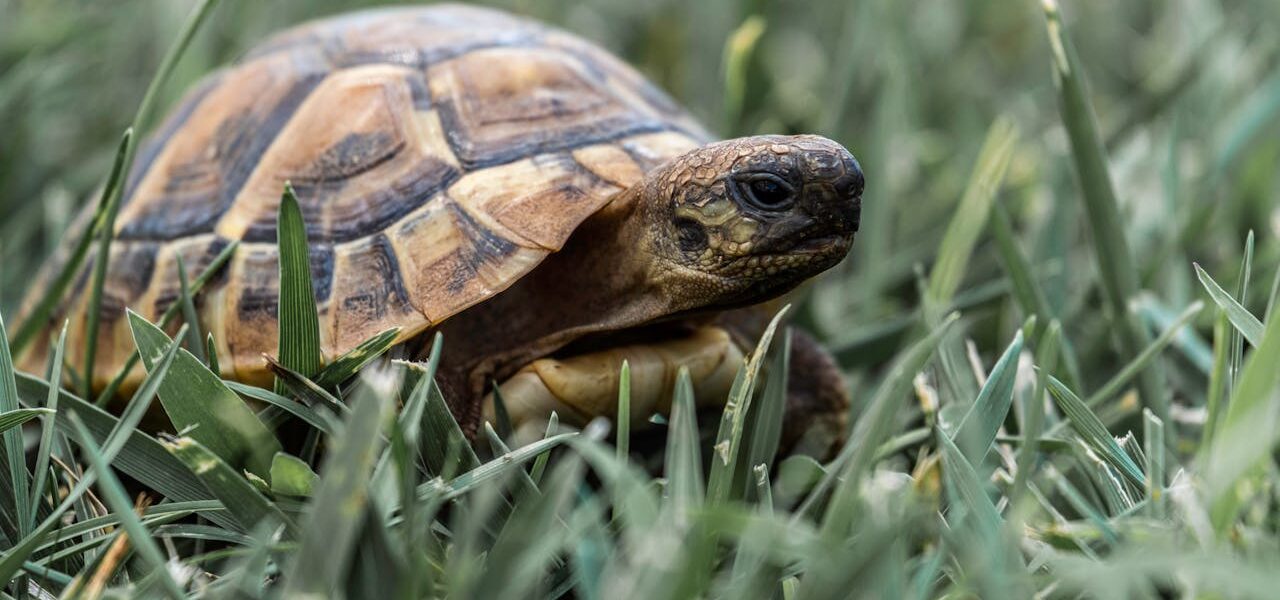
point(766, 420)
point(1119, 277)
point(1033, 411)
point(1093, 432)
point(17, 508)
point(1244, 322)
point(1247, 432)
point(1153, 440)
point(540, 463)
point(347, 365)
point(623, 439)
point(971, 215)
point(727, 449)
point(320, 419)
point(299, 322)
point(683, 469)
point(195, 341)
point(1242, 292)
point(14, 418)
point(1126, 374)
point(737, 54)
point(498, 467)
point(47, 429)
point(977, 431)
point(332, 524)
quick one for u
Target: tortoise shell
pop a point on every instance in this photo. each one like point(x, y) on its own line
point(438, 154)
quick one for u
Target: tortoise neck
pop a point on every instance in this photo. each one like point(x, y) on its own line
point(601, 280)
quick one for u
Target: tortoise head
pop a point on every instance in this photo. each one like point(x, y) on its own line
point(741, 221)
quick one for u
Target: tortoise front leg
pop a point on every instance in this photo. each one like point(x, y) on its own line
point(582, 387)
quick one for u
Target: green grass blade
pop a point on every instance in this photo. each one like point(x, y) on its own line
point(623, 440)
point(1244, 322)
point(1093, 432)
point(737, 54)
point(331, 528)
point(18, 508)
point(303, 388)
point(196, 399)
point(299, 322)
point(1242, 293)
point(244, 503)
point(977, 431)
point(1033, 412)
point(1248, 430)
point(195, 341)
point(971, 215)
point(47, 429)
point(1119, 277)
point(51, 297)
point(1216, 397)
point(14, 418)
point(967, 486)
point(1153, 440)
point(728, 444)
point(766, 418)
point(500, 448)
point(291, 476)
point(118, 501)
point(322, 422)
point(444, 448)
point(211, 354)
point(346, 366)
point(493, 469)
point(1275, 293)
point(540, 463)
point(635, 502)
point(502, 419)
point(683, 470)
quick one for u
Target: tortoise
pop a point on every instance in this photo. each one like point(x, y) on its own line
point(466, 171)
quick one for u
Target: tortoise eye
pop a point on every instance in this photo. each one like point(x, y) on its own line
point(767, 191)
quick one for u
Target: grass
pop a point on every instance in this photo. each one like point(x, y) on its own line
point(1043, 404)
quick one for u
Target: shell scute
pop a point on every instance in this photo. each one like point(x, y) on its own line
point(200, 172)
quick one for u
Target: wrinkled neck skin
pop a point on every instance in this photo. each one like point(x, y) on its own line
point(602, 280)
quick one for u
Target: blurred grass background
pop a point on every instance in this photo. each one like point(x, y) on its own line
point(1187, 97)
point(1187, 94)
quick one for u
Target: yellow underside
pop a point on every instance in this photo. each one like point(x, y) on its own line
point(581, 388)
